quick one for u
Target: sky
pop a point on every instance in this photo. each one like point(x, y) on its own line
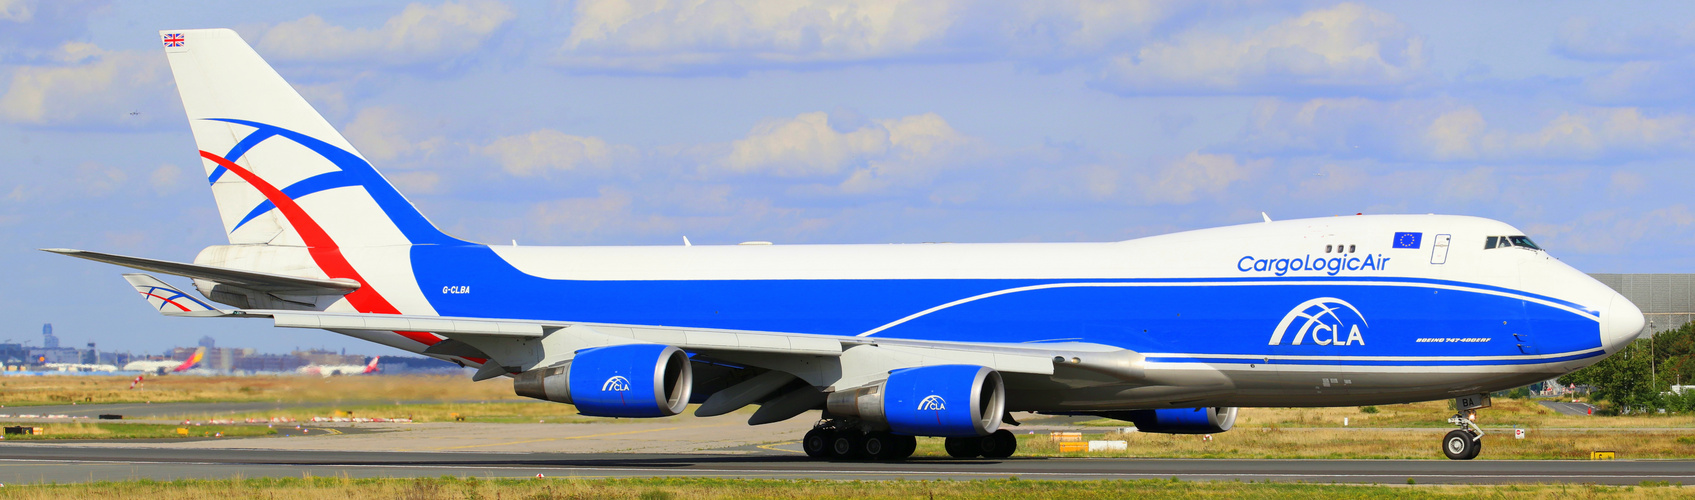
point(603, 122)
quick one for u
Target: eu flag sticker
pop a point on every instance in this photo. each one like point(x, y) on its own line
point(1408, 240)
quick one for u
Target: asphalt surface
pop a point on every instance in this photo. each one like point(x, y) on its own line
point(1581, 409)
point(38, 463)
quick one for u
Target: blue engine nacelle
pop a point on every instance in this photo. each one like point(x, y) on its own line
point(631, 380)
point(943, 400)
point(1181, 420)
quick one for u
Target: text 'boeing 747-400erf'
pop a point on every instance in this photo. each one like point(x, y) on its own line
point(889, 342)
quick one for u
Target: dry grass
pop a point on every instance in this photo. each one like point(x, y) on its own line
point(446, 488)
point(188, 388)
point(483, 412)
point(91, 430)
point(1505, 413)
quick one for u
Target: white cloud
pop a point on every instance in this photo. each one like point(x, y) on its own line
point(17, 11)
point(1197, 174)
point(385, 134)
point(1612, 230)
point(166, 179)
point(87, 85)
point(1345, 47)
point(873, 155)
point(1585, 39)
point(736, 35)
point(658, 35)
point(1448, 130)
point(420, 34)
point(542, 151)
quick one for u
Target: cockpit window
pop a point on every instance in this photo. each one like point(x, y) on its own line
point(1510, 241)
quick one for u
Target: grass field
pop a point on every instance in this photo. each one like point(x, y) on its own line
point(50, 390)
point(92, 430)
point(657, 489)
point(498, 412)
point(1505, 413)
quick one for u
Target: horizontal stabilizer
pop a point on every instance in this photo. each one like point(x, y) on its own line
point(263, 282)
point(168, 300)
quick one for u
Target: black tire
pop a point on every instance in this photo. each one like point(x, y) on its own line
point(816, 444)
point(1476, 449)
point(908, 444)
point(845, 445)
point(1001, 444)
point(1459, 445)
point(880, 446)
point(964, 447)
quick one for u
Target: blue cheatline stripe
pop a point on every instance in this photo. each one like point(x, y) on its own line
point(1364, 279)
point(313, 184)
point(1385, 362)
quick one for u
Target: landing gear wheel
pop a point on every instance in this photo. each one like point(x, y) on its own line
point(907, 445)
point(1001, 444)
point(816, 444)
point(880, 446)
point(964, 447)
point(1460, 445)
point(846, 444)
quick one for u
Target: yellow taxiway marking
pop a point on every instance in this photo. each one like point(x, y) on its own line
point(770, 446)
point(560, 438)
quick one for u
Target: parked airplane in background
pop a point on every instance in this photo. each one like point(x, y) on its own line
point(161, 366)
point(329, 370)
point(891, 342)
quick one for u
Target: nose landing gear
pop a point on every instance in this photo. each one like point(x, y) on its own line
point(1467, 441)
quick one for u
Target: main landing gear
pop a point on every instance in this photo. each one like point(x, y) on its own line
point(1467, 441)
point(838, 440)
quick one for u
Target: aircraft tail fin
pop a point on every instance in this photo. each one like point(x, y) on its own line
point(372, 367)
point(279, 172)
point(168, 300)
point(194, 359)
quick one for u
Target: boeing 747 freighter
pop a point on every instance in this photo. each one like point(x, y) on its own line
point(886, 342)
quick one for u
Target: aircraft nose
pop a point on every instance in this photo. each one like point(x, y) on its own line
point(1621, 323)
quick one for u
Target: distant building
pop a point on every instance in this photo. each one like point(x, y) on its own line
point(13, 354)
point(269, 363)
point(44, 355)
point(48, 340)
point(327, 358)
point(208, 342)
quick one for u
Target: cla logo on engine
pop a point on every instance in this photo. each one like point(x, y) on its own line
point(1323, 318)
point(616, 384)
point(932, 403)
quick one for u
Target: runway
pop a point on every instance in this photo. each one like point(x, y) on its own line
point(38, 463)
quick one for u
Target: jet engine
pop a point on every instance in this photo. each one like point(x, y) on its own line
point(1181, 420)
point(943, 400)
point(631, 380)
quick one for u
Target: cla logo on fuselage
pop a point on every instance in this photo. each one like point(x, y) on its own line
point(616, 384)
point(932, 403)
point(1324, 320)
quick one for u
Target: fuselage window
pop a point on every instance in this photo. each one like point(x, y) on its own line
point(1350, 249)
point(1327, 249)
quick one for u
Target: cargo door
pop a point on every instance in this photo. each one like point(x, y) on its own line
point(1439, 250)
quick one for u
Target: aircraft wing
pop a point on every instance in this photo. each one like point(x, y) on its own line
point(518, 345)
point(263, 282)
